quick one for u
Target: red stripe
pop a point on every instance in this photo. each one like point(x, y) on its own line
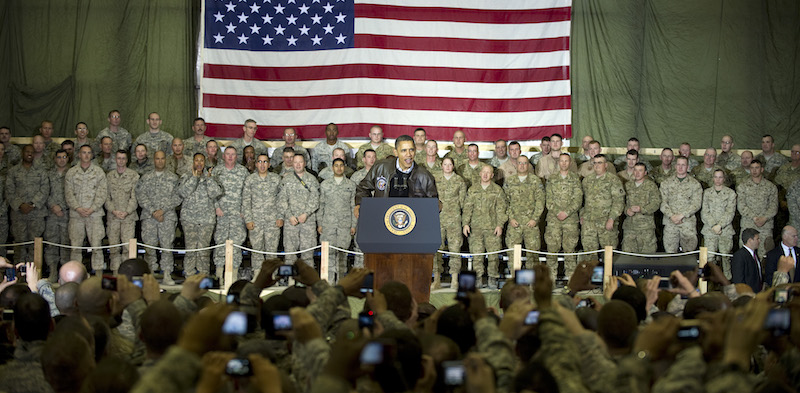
point(462, 14)
point(381, 71)
point(461, 44)
point(386, 101)
point(361, 131)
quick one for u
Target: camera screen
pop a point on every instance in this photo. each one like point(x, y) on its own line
point(532, 318)
point(453, 372)
point(466, 282)
point(367, 284)
point(524, 277)
point(597, 275)
point(372, 353)
point(365, 320)
point(689, 332)
point(207, 283)
point(778, 320)
point(238, 366)
point(282, 322)
point(109, 283)
point(285, 270)
point(781, 295)
point(235, 323)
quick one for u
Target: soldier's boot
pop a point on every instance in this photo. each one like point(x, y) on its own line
point(167, 280)
point(437, 278)
point(492, 282)
point(479, 282)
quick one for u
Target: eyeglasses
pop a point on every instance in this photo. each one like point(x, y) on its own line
point(262, 161)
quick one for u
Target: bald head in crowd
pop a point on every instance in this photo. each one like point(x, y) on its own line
point(72, 271)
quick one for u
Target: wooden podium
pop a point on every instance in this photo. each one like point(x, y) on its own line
point(399, 238)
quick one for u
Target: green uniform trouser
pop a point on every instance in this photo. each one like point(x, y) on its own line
point(484, 240)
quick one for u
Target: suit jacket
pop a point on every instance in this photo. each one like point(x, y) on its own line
point(771, 264)
point(379, 178)
point(744, 270)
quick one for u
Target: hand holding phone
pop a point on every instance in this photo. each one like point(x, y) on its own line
point(368, 285)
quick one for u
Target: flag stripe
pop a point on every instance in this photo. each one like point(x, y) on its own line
point(385, 72)
point(462, 45)
point(461, 14)
point(508, 5)
point(397, 116)
point(361, 130)
point(386, 101)
point(388, 87)
point(462, 30)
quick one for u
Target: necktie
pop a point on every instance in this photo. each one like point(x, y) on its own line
point(758, 268)
point(792, 270)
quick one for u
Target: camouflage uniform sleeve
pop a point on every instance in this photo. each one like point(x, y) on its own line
point(598, 371)
point(462, 193)
point(633, 375)
point(12, 197)
point(100, 197)
point(177, 371)
point(326, 305)
point(676, 305)
point(314, 202)
point(175, 199)
point(185, 306)
point(772, 202)
point(793, 199)
point(697, 199)
point(730, 211)
point(248, 195)
point(45, 290)
point(353, 219)
point(780, 278)
point(40, 197)
point(560, 353)
point(312, 357)
point(686, 373)
point(576, 202)
point(466, 212)
point(143, 196)
point(390, 321)
point(498, 352)
point(654, 199)
point(666, 207)
point(617, 198)
point(321, 204)
point(724, 379)
point(744, 208)
point(730, 291)
point(538, 195)
point(500, 209)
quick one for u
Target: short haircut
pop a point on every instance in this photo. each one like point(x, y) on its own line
point(203, 155)
point(196, 119)
point(335, 160)
point(288, 150)
point(546, 139)
point(748, 234)
point(473, 144)
point(641, 164)
point(59, 151)
point(556, 135)
point(106, 137)
point(398, 299)
point(160, 327)
point(368, 151)
point(757, 161)
point(230, 147)
point(134, 268)
point(32, 317)
point(123, 151)
point(594, 142)
point(771, 138)
point(67, 142)
point(678, 158)
point(402, 138)
point(632, 152)
point(633, 139)
point(667, 149)
point(79, 123)
point(112, 112)
point(142, 145)
point(513, 143)
point(603, 156)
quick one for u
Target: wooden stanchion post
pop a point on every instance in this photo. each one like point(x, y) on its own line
point(703, 260)
point(228, 275)
point(324, 258)
point(133, 250)
point(608, 263)
point(38, 251)
point(518, 257)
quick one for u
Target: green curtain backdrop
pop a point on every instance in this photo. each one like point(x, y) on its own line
point(76, 60)
point(673, 71)
point(663, 71)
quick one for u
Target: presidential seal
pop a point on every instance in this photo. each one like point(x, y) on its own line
point(400, 220)
point(380, 184)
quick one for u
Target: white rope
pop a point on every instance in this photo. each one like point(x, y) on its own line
point(83, 248)
point(347, 251)
point(633, 254)
point(276, 253)
point(177, 250)
point(475, 255)
point(720, 254)
point(17, 244)
point(558, 254)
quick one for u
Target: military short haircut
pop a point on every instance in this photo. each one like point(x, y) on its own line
point(402, 138)
point(748, 234)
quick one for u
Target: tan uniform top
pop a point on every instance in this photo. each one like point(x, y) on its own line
point(122, 192)
point(548, 165)
point(86, 188)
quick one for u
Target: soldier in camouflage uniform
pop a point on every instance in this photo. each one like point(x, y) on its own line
point(248, 139)
point(121, 205)
point(500, 153)
point(483, 217)
point(459, 152)
point(728, 158)
point(789, 172)
point(544, 150)
point(230, 221)
point(770, 159)
point(626, 173)
point(742, 173)
point(681, 198)
point(157, 195)
point(705, 172)
point(106, 158)
point(327, 172)
point(431, 160)
point(605, 201)
point(369, 160)
point(212, 153)
point(178, 162)
point(121, 137)
point(261, 216)
point(719, 206)
point(757, 200)
point(82, 136)
point(525, 195)
point(13, 154)
point(452, 194)
point(154, 138)
point(420, 141)
point(323, 151)
point(586, 168)
point(86, 190)
point(666, 169)
point(685, 149)
point(337, 223)
point(56, 229)
point(299, 201)
point(199, 191)
point(471, 170)
point(563, 199)
point(50, 146)
point(642, 200)
point(27, 189)
point(41, 158)
point(382, 149)
point(141, 162)
point(197, 142)
point(285, 167)
point(290, 142)
point(793, 202)
point(548, 164)
point(509, 168)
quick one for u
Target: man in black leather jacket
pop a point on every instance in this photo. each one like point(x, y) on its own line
point(397, 177)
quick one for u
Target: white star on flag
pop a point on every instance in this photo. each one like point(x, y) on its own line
point(292, 40)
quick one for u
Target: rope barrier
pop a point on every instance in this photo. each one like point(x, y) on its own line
point(720, 254)
point(480, 254)
point(347, 251)
point(177, 250)
point(276, 253)
point(558, 254)
point(17, 244)
point(633, 254)
point(83, 248)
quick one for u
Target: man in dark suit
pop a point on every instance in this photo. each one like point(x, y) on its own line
point(745, 266)
point(787, 247)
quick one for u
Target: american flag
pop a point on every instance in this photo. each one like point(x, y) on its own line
point(492, 68)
